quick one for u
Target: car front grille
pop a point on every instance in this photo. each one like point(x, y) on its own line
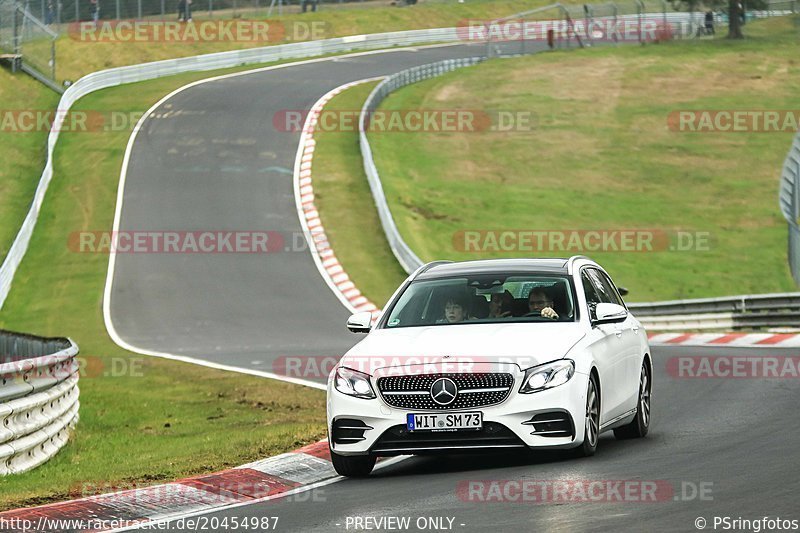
point(474, 390)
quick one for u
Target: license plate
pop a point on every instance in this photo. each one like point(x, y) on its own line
point(444, 421)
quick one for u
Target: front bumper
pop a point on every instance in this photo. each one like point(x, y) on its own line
point(504, 424)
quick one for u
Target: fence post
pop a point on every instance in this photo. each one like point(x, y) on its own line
point(15, 37)
point(77, 11)
point(53, 58)
point(639, 9)
point(139, 9)
point(163, 9)
point(615, 11)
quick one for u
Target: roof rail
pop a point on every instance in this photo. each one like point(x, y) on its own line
point(428, 266)
point(574, 258)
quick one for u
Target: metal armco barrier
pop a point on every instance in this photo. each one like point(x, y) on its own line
point(38, 399)
point(731, 312)
point(789, 201)
point(407, 258)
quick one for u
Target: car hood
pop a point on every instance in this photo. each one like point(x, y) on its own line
point(468, 347)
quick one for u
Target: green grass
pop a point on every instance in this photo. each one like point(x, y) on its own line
point(346, 207)
point(602, 157)
point(21, 154)
point(159, 420)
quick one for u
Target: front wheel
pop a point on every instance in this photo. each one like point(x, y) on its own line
point(353, 465)
point(591, 421)
point(640, 425)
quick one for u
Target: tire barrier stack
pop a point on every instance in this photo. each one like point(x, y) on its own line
point(38, 399)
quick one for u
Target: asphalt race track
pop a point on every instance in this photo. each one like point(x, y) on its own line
point(210, 159)
point(733, 438)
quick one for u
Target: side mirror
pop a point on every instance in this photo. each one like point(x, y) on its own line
point(360, 322)
point(623, 291)
point(606, 313)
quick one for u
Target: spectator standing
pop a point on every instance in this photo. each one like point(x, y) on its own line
point(95, 7)
point(709, 25)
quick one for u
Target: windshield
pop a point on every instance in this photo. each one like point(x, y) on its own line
point(484, 299)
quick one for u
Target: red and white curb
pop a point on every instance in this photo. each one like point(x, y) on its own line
point(750, 340)
point(262, 480)
point(327, 263)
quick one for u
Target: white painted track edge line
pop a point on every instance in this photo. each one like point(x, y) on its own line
point(112, 332)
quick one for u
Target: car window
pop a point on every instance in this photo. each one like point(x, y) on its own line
point(610, 287)
point(483, 298)
point(605, 289)
point(589, 291)
point(603, 293)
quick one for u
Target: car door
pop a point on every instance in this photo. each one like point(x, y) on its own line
point(605, 346)
point(628, 332)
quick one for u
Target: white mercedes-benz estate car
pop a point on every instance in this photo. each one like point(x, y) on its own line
point(491, 355)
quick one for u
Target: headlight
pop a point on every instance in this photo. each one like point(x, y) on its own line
point(547, 376)
point(353, 383)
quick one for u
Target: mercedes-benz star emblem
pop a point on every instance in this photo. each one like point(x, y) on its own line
point(444, 391)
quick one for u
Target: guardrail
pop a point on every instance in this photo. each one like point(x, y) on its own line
point(38, 399)
point(405, 256)
point(789, 201)
point(752, 311)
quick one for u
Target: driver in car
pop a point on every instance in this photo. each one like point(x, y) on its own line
point(540, 304)
point(456, 308)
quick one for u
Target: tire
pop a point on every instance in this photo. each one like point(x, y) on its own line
point(640, 425)
point(353, 465)
point(591, 421)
